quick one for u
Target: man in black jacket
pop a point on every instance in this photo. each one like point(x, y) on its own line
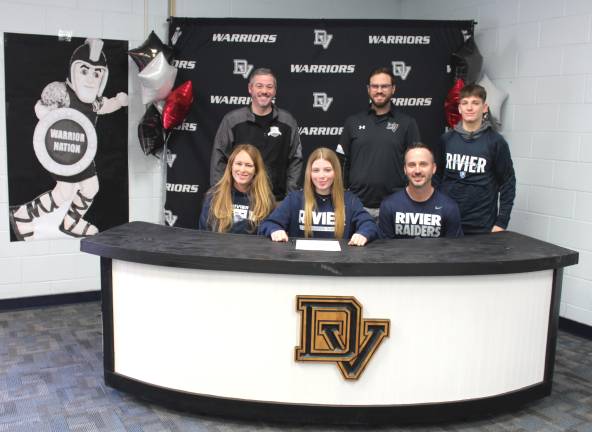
point(478, 168)
point(272, 130)
point(373, 144)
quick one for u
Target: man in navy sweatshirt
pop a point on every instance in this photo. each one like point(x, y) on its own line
point(419, 210)
point(478, 170)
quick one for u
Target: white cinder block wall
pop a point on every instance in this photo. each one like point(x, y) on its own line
point(56, 267)
point(313, 9)
point(540, 52)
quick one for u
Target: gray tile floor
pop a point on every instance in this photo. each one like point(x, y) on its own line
point(51, 379)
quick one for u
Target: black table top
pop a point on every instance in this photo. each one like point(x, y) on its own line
point(505, 252)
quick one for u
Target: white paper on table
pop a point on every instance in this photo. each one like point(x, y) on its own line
point(318, 245)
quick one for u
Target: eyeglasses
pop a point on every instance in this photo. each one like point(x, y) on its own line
point(380, 86)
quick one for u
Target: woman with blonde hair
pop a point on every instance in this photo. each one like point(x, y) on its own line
point(323, 209)
point(242, 198)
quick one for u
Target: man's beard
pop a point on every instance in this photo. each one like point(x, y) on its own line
point(382, 104)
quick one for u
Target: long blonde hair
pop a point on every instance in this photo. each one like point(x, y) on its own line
point(337, 193)
point(261, 200)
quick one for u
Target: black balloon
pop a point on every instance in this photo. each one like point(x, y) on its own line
point(468, 62)
point(146, 52)
point(150, 131)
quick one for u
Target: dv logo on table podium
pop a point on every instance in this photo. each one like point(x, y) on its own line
point(332, 330)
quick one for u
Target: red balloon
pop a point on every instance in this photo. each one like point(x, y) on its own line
point(451, 103)
point(177, 105)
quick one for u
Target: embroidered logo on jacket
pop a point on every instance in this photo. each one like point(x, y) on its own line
point(392, 126)
point(274, 131)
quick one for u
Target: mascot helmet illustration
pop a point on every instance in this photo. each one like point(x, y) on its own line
point(88, 70)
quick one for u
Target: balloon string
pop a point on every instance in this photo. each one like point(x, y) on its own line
point(164, 172)
point(162, 154)
point(167, 135)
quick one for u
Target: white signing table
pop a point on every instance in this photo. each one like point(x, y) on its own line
point(398, 331)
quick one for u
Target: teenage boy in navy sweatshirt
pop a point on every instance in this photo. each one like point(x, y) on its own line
point(478, 170)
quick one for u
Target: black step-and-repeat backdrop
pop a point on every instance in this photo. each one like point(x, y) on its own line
point(322, 68)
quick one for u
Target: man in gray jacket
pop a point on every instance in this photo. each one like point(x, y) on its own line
point(272, 130)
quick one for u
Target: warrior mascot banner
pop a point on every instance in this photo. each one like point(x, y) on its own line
point(66, 121)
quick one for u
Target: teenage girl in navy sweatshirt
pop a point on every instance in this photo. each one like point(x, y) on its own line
point(323, 209)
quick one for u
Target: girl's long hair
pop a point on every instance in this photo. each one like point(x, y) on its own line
point(261, 200)
point(337, 193)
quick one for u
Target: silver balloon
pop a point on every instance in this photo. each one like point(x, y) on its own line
point(157, 79)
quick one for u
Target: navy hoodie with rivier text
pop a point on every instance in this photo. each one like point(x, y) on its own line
point(477, 170)
point(289, 216)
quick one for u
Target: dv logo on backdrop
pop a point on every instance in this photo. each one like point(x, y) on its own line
point(322, 38)
point(170, 218)
point(400, 69)
point(242, 67)
point(170, 158)
point(321, 100)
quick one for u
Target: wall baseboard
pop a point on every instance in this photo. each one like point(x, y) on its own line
point(49, 300)
point(575, 328)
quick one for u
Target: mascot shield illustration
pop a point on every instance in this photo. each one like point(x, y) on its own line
point(65, 142)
